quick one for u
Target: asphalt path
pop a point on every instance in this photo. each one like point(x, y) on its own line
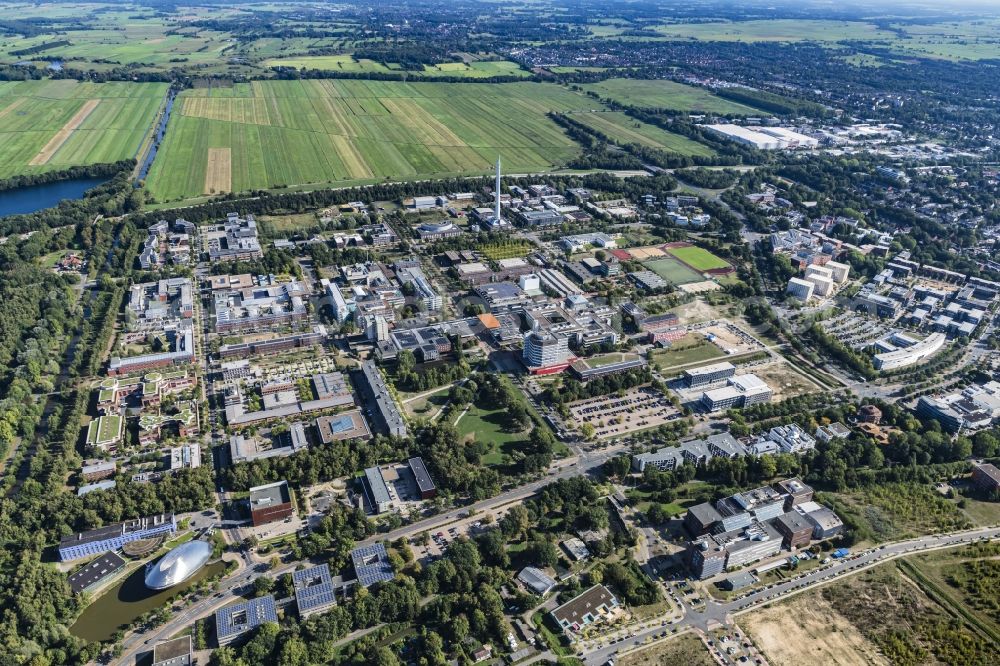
point(715, 613)
point(241, 581)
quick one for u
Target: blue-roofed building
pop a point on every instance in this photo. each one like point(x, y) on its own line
point(313, 590)
point(233, 621)
point(344, 426)
point(371, 564)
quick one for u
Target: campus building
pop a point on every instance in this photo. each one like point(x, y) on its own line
point(587, 608)
point(314, 592)
point(972, 408)
point(270, 503)
point(113, 537)
point(425, 485)
point(742, 391)
point(986, 477)
point(234, 621)
point(371, 564)
point(546, 353)
point(707, 375)
point(233, 240)
point(391, 420)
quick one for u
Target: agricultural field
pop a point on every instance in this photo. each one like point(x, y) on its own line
point(346, 63)
point(50, 125)
point(698, 258)
point(120, 37)
point(624, 129)
point(673, 271)
point(313, 132)
point(781, 30)
point(663, 94)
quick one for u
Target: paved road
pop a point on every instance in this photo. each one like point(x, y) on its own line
point(232, 586)
point(584, 463)
point(720, 613)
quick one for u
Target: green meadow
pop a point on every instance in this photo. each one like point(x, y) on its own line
point(276, 134)
point(346, 63)
point(663, 94)
point(49, 125)
point(624, 129)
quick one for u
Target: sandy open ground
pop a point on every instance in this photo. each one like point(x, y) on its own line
point(56, 142)
point(807, 630)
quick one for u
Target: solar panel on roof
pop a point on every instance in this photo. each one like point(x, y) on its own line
point(371, 563)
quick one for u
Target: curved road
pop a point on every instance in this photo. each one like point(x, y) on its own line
point(233, 585)
point(718, 614)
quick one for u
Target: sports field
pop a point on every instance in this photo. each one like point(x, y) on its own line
point(292, 133)
point(347, 63)
point(673, 271)
point(49, 125)
point(662, 94)
point(698, 258)
point(624, 129)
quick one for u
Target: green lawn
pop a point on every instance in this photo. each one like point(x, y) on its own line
point(692, 348)
point(489, 425)
point(663, 94)
point(50, 125)
point(623, 129)
point(608, 359)
point(698, 258)
point(673, 271)
point(273, 134)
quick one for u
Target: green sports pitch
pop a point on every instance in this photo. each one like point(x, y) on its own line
point(308, 133)
point(698, 258)
point(51, 125)
point(673, 271)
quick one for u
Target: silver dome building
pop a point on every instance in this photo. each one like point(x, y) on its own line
point(178, 565)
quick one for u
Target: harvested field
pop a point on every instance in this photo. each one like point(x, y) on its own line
point(807, 629)
point(218, 173)
point(56, 142)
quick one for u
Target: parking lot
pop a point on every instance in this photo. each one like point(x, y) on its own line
point(613, 416)
point(854, 330)
point(439, 539)
point(730, 645)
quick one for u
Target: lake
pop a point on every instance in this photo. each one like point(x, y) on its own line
point(38, 197)
point(129, 599)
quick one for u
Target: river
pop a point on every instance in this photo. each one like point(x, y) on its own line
point(33, 198)
point(129, 599)
point(161, 130)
